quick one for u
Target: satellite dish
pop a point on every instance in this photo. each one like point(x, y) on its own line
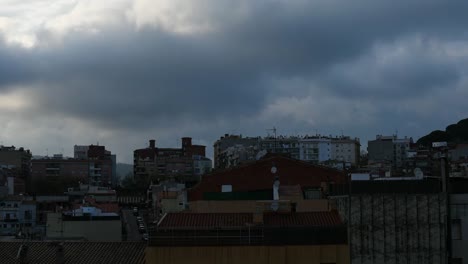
point(260, 154)
point(273, 170)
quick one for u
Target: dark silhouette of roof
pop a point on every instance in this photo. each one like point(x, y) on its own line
point(239, 220)
point(75, 252)
point(302, 219)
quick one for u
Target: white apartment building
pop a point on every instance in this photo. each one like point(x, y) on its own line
point(345, 149)
point(314, 149)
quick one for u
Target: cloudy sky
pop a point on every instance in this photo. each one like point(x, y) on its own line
point(120, 72)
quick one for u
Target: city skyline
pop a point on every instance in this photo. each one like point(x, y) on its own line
point(123, 72)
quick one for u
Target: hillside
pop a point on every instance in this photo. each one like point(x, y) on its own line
point(455, 133)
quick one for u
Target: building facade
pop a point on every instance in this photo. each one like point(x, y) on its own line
point(92, 164)
point(17, 215)
point(395, 221)
point(186, 163)
point(84, 223)
point(19, 163)
point(233, 150)
point(389, 150)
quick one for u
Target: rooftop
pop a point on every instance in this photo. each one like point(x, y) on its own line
point(289, 172)
point(76, 252)
point(241, 220)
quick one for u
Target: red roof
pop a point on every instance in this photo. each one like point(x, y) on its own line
point(205, 220)
point(318, 219)
point(258, 176)
point(237, 220)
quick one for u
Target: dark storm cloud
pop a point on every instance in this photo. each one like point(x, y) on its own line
point(122, 78)
point(15, 66)
point(415, 73)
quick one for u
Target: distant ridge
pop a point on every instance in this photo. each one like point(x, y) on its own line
point(123, 169)
point(455, 133)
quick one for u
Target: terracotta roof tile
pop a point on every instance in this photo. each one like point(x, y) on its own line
point(76, 252)
point(258, 176)
point(235, 220)
point(310, 219)
point(205, 220)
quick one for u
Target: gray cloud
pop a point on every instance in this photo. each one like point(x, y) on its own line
point(359, 59)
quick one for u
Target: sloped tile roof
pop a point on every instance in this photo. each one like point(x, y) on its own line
point(309, 219)
point(76, 252)
point(205, 220)
point(258, 176)
point(234, 220)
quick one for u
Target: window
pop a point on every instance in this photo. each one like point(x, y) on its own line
point(456, 229)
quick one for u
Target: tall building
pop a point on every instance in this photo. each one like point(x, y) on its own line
point(233, 141)
point(19, 162)
point(232, 150)
point(92, 164)
point(185, 163)
point(346, 149)
point(389, 150)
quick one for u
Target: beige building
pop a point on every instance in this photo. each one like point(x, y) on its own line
point(89, 228)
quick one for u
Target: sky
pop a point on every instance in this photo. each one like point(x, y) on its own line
point(121, 72)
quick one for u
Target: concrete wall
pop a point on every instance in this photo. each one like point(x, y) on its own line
point(459, 210)
point(100, 230)
point(338, 254)
point(400, 228)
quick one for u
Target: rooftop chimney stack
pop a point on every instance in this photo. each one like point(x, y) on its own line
point(152, 143)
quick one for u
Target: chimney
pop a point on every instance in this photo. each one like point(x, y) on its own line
point(186, 142)
point(152, 143)
point(276, 185)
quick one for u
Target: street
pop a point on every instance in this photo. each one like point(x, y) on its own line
point(130, 222)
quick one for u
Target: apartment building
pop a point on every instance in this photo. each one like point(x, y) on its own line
point(187, 162)
point(389, 150)
point(17, 214)
point(92, 164)
point(233, 150)
point(18, 161)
